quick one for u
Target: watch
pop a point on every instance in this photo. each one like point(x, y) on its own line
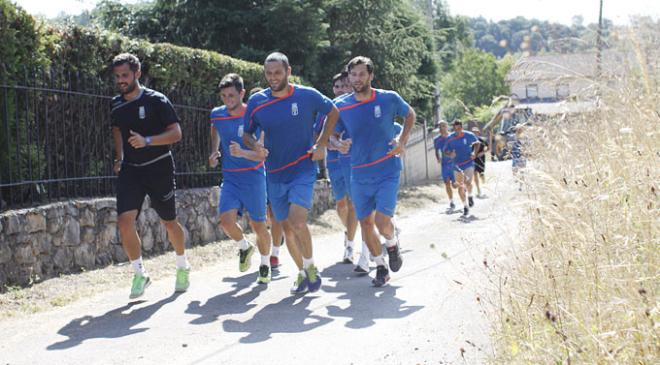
point(147, 140)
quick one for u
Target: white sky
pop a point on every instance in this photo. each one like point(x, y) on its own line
point(553, 10)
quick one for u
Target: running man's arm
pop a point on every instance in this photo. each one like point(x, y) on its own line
point(171, 135)
point(215, 146)
point(409, 122)
point(259, 154)
point(119, 149)
point(328, 129)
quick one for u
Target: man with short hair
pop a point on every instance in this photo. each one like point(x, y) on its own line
point(460, 147)
point(144, 125)
point(446, 162)
point(286, 114)
point(368, 115)
point(243, 176)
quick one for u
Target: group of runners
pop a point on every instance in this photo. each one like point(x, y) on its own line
point(268, 149)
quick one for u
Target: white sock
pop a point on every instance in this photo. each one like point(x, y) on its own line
point(350, 244)
point(243, 244)
point(380, 260)
point(303, 273)
point(365, 249)
point(265, 260)
point(275, 251)
point(182, 262)
point(307, 262)
point(391, 242)
point(138, 266)
point(470, 195)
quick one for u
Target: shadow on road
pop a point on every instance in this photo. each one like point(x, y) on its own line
point(113, 324)
point(367, 303)
point(227, 303)
point(290, 315)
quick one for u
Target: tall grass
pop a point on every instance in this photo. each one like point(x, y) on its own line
point(585, 286)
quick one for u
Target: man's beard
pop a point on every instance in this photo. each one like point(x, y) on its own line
point(280, 86)
point(130, 88)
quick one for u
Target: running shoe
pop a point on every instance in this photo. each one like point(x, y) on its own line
point(348, 255)
point(139, 284)
point(313, 278)
point(301, 285)
point(470, 201)
point(395, 257)
point(264, 274)
point(244, 257)
point(362, 266)
point(274, 262)
point(382, 276)
point(182, 281)
point(466, 211)
point(452, 206)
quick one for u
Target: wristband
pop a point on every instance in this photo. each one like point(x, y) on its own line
point(147, 140)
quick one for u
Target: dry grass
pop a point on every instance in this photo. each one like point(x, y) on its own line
point(585, 287)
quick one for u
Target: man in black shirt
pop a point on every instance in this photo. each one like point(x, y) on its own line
point(144, 124)
point(480, 160)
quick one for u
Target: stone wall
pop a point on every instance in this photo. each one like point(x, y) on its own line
point(43, 242)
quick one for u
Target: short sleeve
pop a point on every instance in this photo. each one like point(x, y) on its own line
point(113, 118)
point(166, 111)
point(401, 108)
point(322, 103)
point(250, 121)
point(319, 123)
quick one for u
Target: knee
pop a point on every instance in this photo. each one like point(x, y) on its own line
point(341, 204)
point(227, 222)
point(382, 222)
point(367, 223)
point(170, 225)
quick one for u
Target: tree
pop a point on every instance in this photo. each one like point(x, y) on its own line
point(477, 78)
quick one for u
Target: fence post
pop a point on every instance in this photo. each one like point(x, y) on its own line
point(426, 152)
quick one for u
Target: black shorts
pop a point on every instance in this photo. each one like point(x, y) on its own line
point(479, 166)
point(155, 180)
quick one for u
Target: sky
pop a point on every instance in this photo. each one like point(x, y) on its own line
point(561, 11)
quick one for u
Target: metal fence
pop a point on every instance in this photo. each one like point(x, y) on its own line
point(56, 141)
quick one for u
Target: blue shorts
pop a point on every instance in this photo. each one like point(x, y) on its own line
point(299, 191)
point(338, 183)
point(378, 194)
point(448, 173)
point(250, 197)
point(346, 169)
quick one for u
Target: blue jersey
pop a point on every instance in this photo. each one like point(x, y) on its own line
point(288, 123)
point(230, 129)
point(439, 143)
point(462, 145)
point(370, 124)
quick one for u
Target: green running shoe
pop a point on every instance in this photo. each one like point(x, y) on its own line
point(264, 274)
point(244, 257)
point(300, 285)
point(139, 284)
point(314, 278)
point(182, 281)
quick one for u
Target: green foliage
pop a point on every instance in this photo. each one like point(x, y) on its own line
point(476, 79)
point(532, 36)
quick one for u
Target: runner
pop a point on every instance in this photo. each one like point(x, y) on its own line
point(480, 160)
point(460, 147)
point(368, 116)
point(286, 114)
point(144, 125)
point(243, 176)
point(340, 182)
point(446, 163)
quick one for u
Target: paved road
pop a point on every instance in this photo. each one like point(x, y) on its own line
point(429, 314)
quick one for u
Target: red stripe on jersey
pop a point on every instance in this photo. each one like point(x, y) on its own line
point(372, 98)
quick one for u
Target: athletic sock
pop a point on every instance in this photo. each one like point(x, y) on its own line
point(391, 242)
point(275, 251)
point(243, 244)
point(182, 262)
point(265, 260)
point(365, 249)
point(138, 266)
point(350, 244)
point(307, 262)
point(380, 260)
point(303, 273)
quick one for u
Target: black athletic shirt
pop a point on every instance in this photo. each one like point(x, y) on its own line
point(149, 114)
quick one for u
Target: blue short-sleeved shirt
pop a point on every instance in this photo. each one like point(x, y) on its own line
point(439, 143)
point(288, 123)
point(230, 129)
point(462, 145)
point(370, 124)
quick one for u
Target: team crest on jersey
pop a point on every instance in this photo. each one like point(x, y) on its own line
point(464, 141)
point(294, 109)
point(142, 112)
point(377, 112)
point(240, 131)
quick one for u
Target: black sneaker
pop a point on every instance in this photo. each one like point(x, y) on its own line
point(395, 257)
point(264, 274)
point(452, 206)
point(466, 211)
point(470, 201)
point(382, 276)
